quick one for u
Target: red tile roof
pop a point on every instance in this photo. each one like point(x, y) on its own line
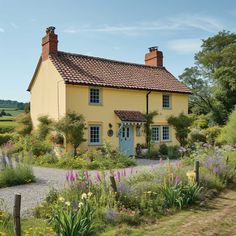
point(132, 116)
point(87, 70)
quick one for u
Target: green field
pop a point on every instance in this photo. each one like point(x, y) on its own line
point(7, 123)
point(13, 111)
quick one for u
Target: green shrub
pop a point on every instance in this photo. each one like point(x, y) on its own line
point(21, 174)
point(44, 127)
point(24, 124)
point(229, 134)
point(40, 148)
point(212, 133)
point(181, 125)
point(173, 152)
point(197, 135)
point(163, 149)
point(4, 138)
point(68, 220)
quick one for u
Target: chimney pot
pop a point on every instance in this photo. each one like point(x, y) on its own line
point(49, 43)
point(154, 57)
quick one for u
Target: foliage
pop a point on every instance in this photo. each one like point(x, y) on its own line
point(212, 133)
point(73, 219)
point(212, 80)
point(25, 124)
point(4, 138)
point(181, 124)
point(72, 127)
point(44, 127)
point(148, 121)
point(196, 135)
point(21, 174)
point(163, 149)
point(229, 134)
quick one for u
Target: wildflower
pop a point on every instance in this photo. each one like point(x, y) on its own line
point(110, 215)
point(98, 177)
point(177, 180)
point(61, 199)
point(82, 184)
point(86, 174)
point(191, 176)
point(90, 194)
point(124, 172)
point(84, 196)
point(118, 175)
point(81, 204)
point(67, 203)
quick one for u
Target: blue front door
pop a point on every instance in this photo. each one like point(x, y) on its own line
point(126, 140)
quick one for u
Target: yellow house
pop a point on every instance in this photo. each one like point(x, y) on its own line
point(111, 95)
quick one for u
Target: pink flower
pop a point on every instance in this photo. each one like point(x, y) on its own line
point(177, 179)
point(98, 177)
point(86, 174)
point(82, 184)
point(118, 175)
point(124, 171)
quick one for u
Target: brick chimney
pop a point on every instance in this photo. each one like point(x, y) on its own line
point(154, 57)
point(49, 43)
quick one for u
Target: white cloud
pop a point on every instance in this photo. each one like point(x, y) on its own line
point(185, 46)
point(182, 22)
point(15, 26)
point(2, 30)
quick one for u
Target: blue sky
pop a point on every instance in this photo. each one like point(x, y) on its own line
point(120, 30)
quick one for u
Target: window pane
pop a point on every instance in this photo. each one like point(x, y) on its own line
point(155, 134)
point(127, 132)
point(94, 134)
point(94, 95)
point(166, 101)
point(165, 133)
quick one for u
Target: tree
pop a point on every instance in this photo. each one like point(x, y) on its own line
point(44, 127)
point(148, 121)
point(216, 67)
point(181, 124)
point(72, 127)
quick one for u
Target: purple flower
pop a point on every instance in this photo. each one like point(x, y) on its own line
point(86, 174)
point(110, 215)
point(177, 180)
point(123, 188)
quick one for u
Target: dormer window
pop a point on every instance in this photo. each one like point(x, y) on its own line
point(95, 96)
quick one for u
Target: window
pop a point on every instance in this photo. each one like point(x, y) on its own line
point(94, 96)
point(95, 134)
point(166, 101)
point(155, 133)
point(165, 133)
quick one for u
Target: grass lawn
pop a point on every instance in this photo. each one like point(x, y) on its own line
point(218, 218)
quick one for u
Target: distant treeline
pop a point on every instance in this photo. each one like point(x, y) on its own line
point(12, 104)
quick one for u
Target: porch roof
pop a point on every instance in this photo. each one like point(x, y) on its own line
point(130, 116)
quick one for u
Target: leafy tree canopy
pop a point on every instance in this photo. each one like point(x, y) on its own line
point(213, 78)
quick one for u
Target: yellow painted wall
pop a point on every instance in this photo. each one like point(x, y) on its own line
point(47, 93)
point(77, 99)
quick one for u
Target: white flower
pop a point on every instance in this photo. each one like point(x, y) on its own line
point(67, 203)
point(90, 194)
point(81, 204)
point(84, 196)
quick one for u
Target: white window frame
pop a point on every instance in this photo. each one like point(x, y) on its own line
point(100, 134)
point(159, 133)
point(165, 107)
point(162, 133)
point(99, 96)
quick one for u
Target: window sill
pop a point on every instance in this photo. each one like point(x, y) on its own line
point(95, 104)
point(94, 144)
point(166, 108)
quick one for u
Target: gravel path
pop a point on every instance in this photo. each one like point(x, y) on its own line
point(34, 193)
